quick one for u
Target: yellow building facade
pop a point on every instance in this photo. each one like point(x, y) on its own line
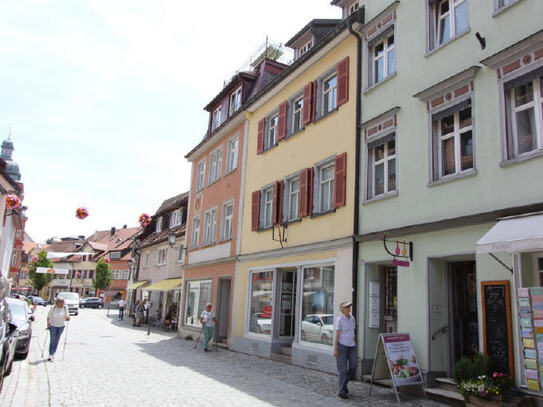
point(295, 265)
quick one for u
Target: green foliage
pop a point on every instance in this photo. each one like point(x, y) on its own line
point(466, 369)
point(494, 385)
point(103, 275)
point(40, 280)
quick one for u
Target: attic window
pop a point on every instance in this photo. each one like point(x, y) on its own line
point(352, 8)
point(159, 224)
point(306, 47)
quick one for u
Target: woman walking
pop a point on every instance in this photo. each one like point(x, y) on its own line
point(208, 321)
point(345, 348)
point(56, 318)
point(140, 308)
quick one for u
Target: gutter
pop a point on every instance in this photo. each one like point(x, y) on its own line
point(356, 217)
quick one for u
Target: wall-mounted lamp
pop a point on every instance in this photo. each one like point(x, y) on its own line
point(481, 39)
point(171, 239)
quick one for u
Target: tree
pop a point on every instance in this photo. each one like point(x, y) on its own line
point(103, 275)
point(40, 280)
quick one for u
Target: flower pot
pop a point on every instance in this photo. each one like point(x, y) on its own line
point(505, 401)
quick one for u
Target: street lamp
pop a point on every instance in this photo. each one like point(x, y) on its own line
point(171, 239)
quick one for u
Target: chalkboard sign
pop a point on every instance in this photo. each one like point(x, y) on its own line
point(497, 332)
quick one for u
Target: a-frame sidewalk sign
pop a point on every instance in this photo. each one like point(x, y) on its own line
point(395, 359)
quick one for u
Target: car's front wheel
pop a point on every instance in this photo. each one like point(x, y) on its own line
point(100, 306)
point(81, 306)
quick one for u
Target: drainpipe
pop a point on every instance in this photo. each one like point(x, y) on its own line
point(358, 20)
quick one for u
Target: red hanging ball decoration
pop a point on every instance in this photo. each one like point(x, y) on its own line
point(144, 220)
point(81, 213)
point(12, 201)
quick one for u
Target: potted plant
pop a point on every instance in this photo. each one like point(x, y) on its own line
point(482, 386)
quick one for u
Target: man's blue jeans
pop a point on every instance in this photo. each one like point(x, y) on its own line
point(121, 313)
point(55, 332)
point(346, 366)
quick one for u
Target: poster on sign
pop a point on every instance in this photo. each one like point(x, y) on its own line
point(395, 359)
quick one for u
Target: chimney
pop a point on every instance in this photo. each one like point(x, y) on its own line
point(124, 226)
point(113, 230)
point(82, 237)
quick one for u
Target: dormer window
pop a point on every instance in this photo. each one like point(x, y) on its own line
point(306, 47)
point(159, 224)
point(216, 121)
point(176, 218)
point(235, 102)
point(352, 8)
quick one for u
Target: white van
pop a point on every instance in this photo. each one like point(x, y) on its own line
point(71, 300)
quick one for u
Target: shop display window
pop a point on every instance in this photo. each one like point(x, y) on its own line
point(318, 305)
point(260, 317)
point(198, 295)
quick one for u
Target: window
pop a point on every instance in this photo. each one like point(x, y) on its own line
point(195, 235)
point(524, 101)
point(161, 258)
point(381, 166)
point(176, 218)
point(383, 59)
point(260, 314)
point(448, 19)
point(198, 295)
point(235, 102)
point(210, 226)
point(271, 135)
point(318, 305)
point(503, 3)
point(232, 154)
point(158, 224)
point(352, 8)
point(146, 262)
point(180, 254)
point(216, 120)
point(306, 47)
point(226, 224)
point(293, 198)
point(297, 114)
point(453, 132)
point(114, 255)
point(266, 208)
point(329, 94)
point(324, 199)
point(201, 175)
point(215, 165)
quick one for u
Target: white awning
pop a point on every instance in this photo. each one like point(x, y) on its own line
point(514, 235)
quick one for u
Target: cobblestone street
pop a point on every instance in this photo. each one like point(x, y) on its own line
point(111, 363)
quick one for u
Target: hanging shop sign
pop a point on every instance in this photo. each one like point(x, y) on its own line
point(395, 359)
point(402, 252)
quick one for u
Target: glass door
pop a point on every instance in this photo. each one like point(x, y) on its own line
point(287, 317)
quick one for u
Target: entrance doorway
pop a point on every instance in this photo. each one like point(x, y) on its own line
point(463, 322)
point(389, 302)
point(223, 309)
point(287, 303)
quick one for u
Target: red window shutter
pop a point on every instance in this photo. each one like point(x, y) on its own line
point(255, 211)
point(302, 197)
point(282, 121)
point(277, 202)
point(343, 81)
point(260, 139)
point(340, 177)
point(307, 113)
point(310, 178)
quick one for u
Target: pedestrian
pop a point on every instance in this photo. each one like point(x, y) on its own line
point(140, 308)
point(345, 348)
point(133, 314)
point(56, 318)
point(208, 321)
point(122, 304)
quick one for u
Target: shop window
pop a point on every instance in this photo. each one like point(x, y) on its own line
point(318, 305)
point(260, 314)
point(198, 295)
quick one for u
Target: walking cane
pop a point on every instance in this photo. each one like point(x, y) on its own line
point(65, 339)
point(198, 340)
point(44, 342)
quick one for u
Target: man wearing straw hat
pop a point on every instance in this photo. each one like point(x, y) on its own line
point(345, 348)
point(208, 321)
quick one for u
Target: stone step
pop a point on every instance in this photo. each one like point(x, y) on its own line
point(446, 383)
point(452, 398)
point(286, 350)
point(278, 357)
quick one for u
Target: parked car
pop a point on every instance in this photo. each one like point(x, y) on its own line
point(71, 300)
point(37, 300)
point(8, 341)
point(261, 323)
point(318, 328)
point(23, 320)
point(91, 302)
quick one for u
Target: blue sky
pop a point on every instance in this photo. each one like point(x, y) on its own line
point(105, 98)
